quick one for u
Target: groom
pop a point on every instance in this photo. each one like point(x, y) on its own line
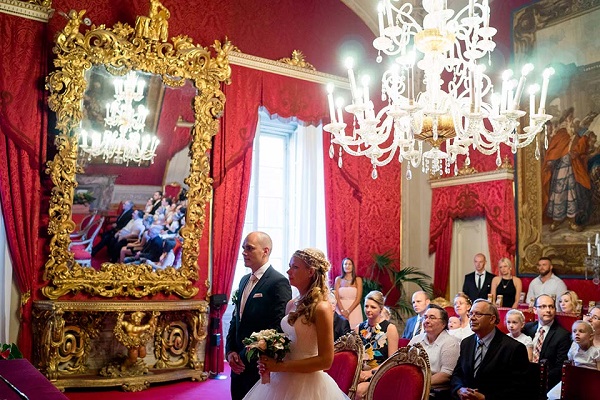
point(260, 304)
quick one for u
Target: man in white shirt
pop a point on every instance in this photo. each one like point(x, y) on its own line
point(414, 325)
point(443, 349)
point(546, 283)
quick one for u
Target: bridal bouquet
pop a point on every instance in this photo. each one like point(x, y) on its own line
point(267, 342)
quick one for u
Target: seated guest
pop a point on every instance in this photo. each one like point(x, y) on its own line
point(152, 249)
point(132, 231)
point(462, 306)
point(491, 365)
point(593, 317)
point(550, 340)
point(379, 337)
point(156, 201)
point(507, 285)
point(442, 349)
point(341, 326)
point(582, 353)
point(568, 302)
point(515, 322)
point(123, 219)
point(167, 258)
point(414, 325)
point(133, 247)
point(453, 323)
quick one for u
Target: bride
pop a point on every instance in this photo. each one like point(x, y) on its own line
point(309, 325)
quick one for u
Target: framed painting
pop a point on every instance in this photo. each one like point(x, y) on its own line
point(558, 182)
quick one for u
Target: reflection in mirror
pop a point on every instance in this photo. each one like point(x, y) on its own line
point(173, 70)
point(117, 188)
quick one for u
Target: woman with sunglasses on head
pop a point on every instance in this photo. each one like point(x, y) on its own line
point(379, 337)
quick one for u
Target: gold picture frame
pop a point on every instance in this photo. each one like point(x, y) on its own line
point(548, 33)
point(120, 49)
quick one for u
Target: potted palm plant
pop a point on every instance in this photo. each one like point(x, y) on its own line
point(386, 265)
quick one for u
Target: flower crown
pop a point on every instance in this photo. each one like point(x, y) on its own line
point(314, 258)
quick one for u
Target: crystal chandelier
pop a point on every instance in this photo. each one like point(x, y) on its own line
point(123, 140)
point(454, 108)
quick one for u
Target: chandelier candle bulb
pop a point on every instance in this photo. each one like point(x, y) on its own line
point(589, 247)
point(330, 101)
point(506, 75)
point(380, 9)
point(548, 72)
point(350, 65)
point(340, 106)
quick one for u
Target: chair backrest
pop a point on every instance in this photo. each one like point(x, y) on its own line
point(84, 226)
point(92, 233)
point(566, 320)
point(579, 383)
point(347, 363)
point(402, 342)
point(172, 190)
point(450, 311)
point(405, 375)
point(538, 372)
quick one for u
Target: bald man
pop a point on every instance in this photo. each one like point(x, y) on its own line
point(260, 304)
point(478, 284)
point(414, 325)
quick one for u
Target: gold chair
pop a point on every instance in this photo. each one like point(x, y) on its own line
point(347, 363)
point(405, 375)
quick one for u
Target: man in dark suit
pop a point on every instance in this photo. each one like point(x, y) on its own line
point(414, 325)
point(491, 365)
point(341, 325)
point(478, 284)
point(260, 304)
point(555, 341)
point(122, 220)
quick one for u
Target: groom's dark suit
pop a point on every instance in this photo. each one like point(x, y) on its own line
point(503, 371)
point(264, 309)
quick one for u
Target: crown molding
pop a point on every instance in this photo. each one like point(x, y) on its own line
point(39, 10)
point(276, 67)
point(497, 175)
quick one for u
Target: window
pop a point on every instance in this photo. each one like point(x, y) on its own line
point(286, 198)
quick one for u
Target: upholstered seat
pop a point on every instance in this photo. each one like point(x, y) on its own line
point(538, 372)
point(347, 363)
point(82, 249)
point(402, 342)
point(579, 383)
point(84, 226)
point(566, 320)
point(405, 375)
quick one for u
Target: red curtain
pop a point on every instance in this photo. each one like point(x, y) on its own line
point(491, 200)
point(22, 122)
point(232, 161)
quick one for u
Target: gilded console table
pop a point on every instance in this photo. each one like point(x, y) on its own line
point(119, 343)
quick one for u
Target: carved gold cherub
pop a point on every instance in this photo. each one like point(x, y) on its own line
point(134, 335)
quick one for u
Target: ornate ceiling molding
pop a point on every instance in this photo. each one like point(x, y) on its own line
point(280, 68)
point(37, 10)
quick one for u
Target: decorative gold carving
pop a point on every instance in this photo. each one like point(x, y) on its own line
point(467, 169)
point(506, 165)
point(122, 49)
point(65, 333)
point(297, 60)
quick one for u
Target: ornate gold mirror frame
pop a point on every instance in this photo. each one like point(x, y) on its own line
point(121, 49)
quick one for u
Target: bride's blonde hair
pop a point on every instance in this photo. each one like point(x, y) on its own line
point(318, 290)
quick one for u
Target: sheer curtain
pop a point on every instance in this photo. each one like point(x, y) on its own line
point(307, 208)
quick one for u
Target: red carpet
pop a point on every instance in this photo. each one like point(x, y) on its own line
point(211, 389)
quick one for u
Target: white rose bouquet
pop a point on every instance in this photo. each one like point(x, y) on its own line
point(267, 342)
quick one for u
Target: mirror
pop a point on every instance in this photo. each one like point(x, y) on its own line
point(119, 50)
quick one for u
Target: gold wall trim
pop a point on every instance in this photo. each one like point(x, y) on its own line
point(474, 178)
point(279, 68)
point(108, 306)
point(37, 11)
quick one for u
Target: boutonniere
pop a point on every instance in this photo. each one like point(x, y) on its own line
point(235, 297)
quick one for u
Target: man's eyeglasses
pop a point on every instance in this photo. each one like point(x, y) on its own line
point(546, 307)
point(430, 317)
point(592, 316)
point(478, 315)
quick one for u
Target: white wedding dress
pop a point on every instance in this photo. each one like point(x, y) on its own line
point(297, 385)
